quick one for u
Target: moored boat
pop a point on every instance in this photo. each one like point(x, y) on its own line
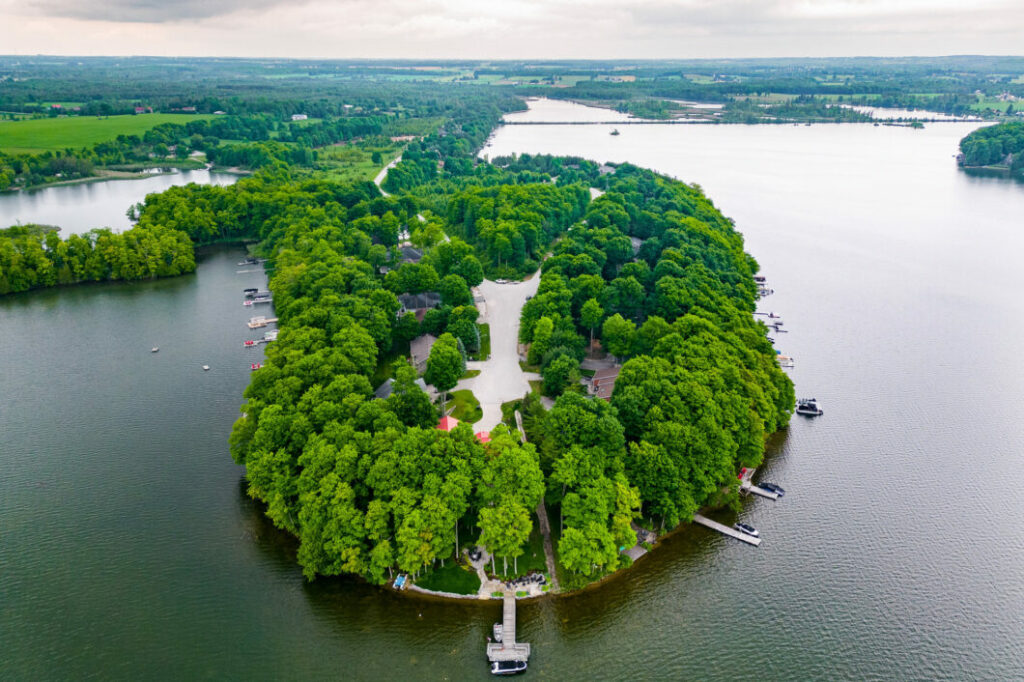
point(507, 667)
point(808, 407)
point(747, 528)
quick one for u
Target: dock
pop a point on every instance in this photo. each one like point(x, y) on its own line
point(257, 322)
point(747, 485)
point(726, 530)
point(508, 649)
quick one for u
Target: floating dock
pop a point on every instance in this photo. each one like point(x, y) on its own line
point(258, 322)
point(747, 486)
point(508, 649)
point(726, 530)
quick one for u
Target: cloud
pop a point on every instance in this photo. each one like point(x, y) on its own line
point(146, 11)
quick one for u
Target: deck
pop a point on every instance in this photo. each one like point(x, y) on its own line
point(726, 530)
point(508, 649)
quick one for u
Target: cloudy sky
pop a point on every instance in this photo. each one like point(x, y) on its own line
point(512, 28)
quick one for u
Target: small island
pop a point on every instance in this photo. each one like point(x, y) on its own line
point(999, 147)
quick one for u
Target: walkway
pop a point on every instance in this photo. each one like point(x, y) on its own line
point(501, 378)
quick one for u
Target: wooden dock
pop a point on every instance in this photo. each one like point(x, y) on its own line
point(751, 488)
point(508, 649)
point(726, 530)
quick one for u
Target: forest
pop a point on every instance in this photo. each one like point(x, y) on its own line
point(998, 145)
point(650, 270)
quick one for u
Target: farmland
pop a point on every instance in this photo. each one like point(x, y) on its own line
point(53, 134)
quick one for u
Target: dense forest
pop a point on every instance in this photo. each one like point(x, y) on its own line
point(998, 145)
point(651, 271)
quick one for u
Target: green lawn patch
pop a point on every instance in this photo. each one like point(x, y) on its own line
point(485, 341)
point(452, 577)
point(537, 386)
point(467, 407)
point(384, 371)
point(470, 373)
point(75, 132)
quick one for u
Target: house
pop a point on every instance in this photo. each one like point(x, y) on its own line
point(602, 384)
point(143, 110)
point(419, 351)
point(605, 169)
point(410, 254)
point(299, 117)
point(384, 390)
point(418, 304)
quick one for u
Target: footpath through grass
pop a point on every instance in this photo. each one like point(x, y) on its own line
point(74, 132)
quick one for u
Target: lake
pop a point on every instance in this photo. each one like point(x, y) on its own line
point(129, 549)
point(83, 206)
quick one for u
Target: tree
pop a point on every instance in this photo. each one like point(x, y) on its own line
point(455, 291)
point(408, 401)
point(617, 335)
point(591, 315)
point(504, 529)
point(445, 366)
point(559, 374)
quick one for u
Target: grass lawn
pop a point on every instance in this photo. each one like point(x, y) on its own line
point(75, 132)
point(537, 385)
point(485, 341)
point(470, 373)
point(467, 407)
point(452, 577)
point(354, 161)
point(384, 371)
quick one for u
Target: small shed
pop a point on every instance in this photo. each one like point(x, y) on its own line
point(447, 423)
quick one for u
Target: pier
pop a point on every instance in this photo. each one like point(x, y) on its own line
point(726, 530)
point(257, 322)
point(747, 485)
point(508, 649)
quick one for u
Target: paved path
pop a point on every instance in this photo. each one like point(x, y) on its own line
point(384, 173)
point(501, 379)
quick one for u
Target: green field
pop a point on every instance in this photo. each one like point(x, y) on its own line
point(53, 134)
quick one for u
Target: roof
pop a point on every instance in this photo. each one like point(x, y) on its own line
point(483, 436)
point(385, 389)
point(410, 254)
point(419, 348)
point(447, 423)
point(428, 299)
point(606, 373)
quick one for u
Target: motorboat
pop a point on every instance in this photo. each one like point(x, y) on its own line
point(206, 368)
point(614, 132)
point(785, 362)
point(507, 667)
point(497, 631)
point(808, 407)
point(255, 366)
point(154, 349)
point(249, 344)
point(747, 528)
point(772, 488)
point(250, 290)
point(247, 302)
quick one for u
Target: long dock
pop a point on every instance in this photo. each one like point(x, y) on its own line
point(757, 490)
point(726, 530)
point(508, 649)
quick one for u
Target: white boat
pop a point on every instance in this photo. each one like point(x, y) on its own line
point(785, 362)
point(808, 407)
point(155, 349)
point(206, 368)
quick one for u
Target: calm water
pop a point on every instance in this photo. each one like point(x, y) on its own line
point(82, 207)
point(128, 548)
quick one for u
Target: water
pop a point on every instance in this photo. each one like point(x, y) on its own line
point(81, 207)
point(128, 548)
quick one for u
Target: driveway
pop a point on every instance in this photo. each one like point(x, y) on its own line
point(501, 379)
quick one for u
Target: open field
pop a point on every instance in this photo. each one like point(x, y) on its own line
point(74, 132)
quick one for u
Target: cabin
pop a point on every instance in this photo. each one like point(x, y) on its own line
point(419, 351)
point(602, 384)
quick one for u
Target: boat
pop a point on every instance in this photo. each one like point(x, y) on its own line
point(206, 368)
point(255, 366)
point(400, 581)
point(249, 344)
point(747, 528)
point(614, 132)
point(760, 279)
point(247, 303)
point(270, 335)
point(507, 667)
point(772, 488)
point(250, 290)
point(154, 349)
point(497, 630)
point(785, 362)
point(808, 407)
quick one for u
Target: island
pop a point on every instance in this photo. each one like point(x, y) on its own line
point(999, 147)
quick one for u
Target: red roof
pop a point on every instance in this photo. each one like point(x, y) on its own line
point(447, 423)
point(483, 437)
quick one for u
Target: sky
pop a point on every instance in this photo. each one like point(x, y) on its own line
point(512, 29)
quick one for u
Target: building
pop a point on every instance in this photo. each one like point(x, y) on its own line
point(602, 384)
point(385, 389)
point(447, 423)
point(409, 254)
point(419, 351)
point(418, 304)
point(299, 117)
